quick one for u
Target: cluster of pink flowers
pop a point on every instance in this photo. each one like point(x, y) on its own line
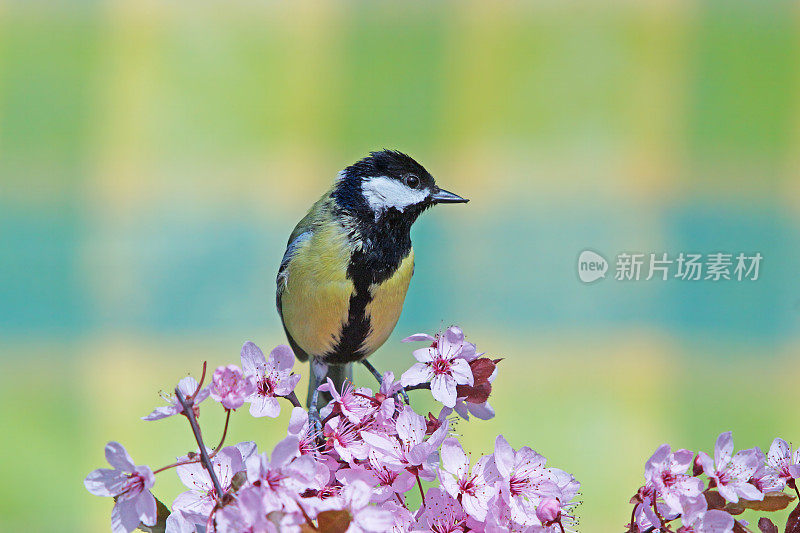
point(361, 473)
point(707, 494)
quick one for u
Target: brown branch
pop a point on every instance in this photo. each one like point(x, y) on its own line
point(189, 413)
point(292, 397)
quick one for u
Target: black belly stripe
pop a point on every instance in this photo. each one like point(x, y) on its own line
point(355, 331)
point(364, 272)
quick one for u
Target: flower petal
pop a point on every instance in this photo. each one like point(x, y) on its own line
point(163, 412)
point(481, 411)
point(124, 517)
point(419, 337)
point(419, 373)
point(105, 482)
point(454, 460)
point(717, 521)
point(443, 388)
point(187, 386)
point(461, 372)
point(118, 457)
point(779, 452)
point(286, 386)
point(503, 456)
point(281, 358)
point(723, 449)
point(146, 508)
point(253, 361)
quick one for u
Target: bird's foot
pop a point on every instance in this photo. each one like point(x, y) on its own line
point(402, 394)
point(315, 424)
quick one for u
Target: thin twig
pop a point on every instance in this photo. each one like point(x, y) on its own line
point(224, 433)
point(210, 456)
point(418, 387)
point(189, 413)
point(200, 383)
point(421, 492)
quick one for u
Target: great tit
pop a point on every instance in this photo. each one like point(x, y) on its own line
point(349, 261)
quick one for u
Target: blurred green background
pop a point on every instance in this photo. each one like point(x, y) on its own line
point(154, 157)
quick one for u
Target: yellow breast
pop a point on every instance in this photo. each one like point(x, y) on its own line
point(386, 305)
point(316, 299)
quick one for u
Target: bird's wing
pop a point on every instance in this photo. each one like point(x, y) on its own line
point(283, 276)
point(283, 272)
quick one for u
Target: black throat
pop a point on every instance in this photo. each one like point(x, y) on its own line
point(380, 246)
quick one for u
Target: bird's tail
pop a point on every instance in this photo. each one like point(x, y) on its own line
point(338, 374)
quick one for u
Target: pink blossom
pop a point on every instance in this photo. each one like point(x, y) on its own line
point(285, 474)
point(499, 520)
point(408, 449)
point(198, 502)
point(273, 377)
point(385, 482)
point(524, 480)
point(247, 513)
point(445, 364)
point(665, 472)
point(766, 478)
point(402, 518)
point(177, 522)
point(230, 386)
point(731, 474)
point(473, 490)
point(365, 517)
point(343, 437)
point(130, 484)
point(187, 386)
point(351, 403)
point(697, 518)
point(646, 518)
point(781, 458)
point(442, 514)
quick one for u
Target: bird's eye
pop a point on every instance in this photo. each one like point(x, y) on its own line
point(412, 181)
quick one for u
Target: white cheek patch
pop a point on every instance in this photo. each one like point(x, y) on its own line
point(382, 193)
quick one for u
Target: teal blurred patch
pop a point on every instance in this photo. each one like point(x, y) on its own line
point(520, 273)
point(194, 275)
point(761, 311)
point(43, 288)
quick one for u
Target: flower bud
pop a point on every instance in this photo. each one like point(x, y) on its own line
point(548, 511)
point(697, 467)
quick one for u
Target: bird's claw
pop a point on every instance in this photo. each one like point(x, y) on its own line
point(404, 395)
point(315, 423)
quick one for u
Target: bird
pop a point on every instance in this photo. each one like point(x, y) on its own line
point(348, 264)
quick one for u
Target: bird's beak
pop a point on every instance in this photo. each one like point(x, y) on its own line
point(440, 196)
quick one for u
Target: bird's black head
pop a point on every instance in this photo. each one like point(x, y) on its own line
point(389, 185)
